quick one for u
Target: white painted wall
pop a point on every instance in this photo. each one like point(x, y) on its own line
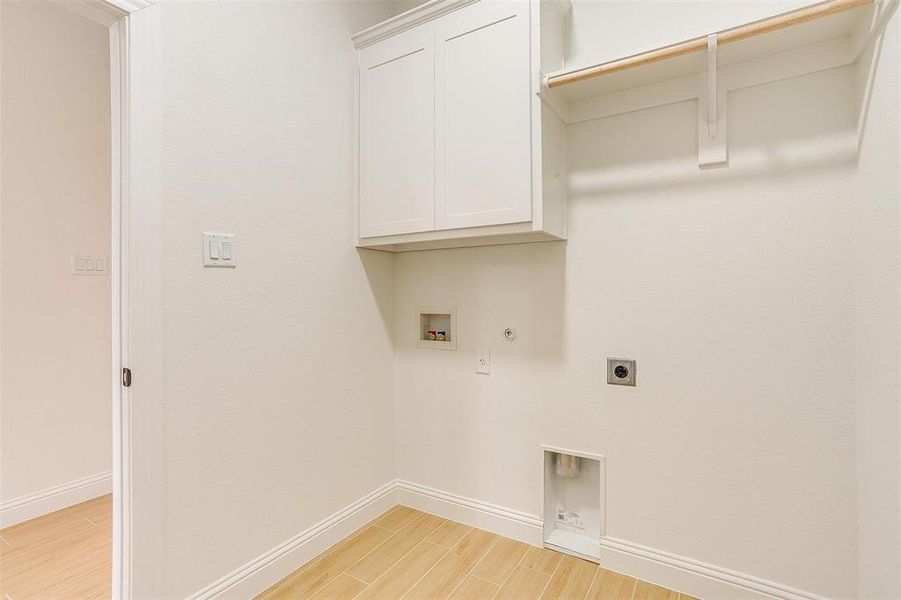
point(55, 201)
point(734, 290)
point(288, 380)
point(278, 375)
point(399, 6)
point(878, 321)
point(601, 30)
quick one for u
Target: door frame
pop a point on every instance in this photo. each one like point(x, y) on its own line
point(135, 289)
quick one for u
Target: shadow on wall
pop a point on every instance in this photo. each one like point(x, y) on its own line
point(868, 66)
point(492, 287)
point(452, 420)
point(379, 267)
point(772, 131)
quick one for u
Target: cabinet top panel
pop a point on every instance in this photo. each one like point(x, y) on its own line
point(407, 20)
point(424, 13)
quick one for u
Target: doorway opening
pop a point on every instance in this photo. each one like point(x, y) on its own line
point(61, 275)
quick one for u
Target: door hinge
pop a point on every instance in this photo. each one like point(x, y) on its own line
point(126, 377)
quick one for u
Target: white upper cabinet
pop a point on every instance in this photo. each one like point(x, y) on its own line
point(483, 116)
point(397, 136)
point(455, 147)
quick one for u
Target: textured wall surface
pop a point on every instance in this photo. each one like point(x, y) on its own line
point(734, 291)
point(278, 375)
point(878, 333)
point(611, 29)
point(292, 385)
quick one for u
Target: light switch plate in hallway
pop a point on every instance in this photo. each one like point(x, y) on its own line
point(83, 264)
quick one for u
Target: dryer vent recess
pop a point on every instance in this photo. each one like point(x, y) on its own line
point(573, 507)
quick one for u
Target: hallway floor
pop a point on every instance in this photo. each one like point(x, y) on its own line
point(409, 554)
point(65, 554)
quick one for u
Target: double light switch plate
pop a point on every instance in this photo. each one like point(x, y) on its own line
point(219, 250)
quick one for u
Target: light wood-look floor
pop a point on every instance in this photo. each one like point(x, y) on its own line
point(409, 554)
point(66, 554)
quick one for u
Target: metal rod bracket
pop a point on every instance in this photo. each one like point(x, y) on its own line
point(712, 150)
point(711, 85)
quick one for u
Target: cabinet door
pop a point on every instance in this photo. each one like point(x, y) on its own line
point(483, 121)
point(397, 135)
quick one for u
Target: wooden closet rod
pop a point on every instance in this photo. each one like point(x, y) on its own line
point(735, 34)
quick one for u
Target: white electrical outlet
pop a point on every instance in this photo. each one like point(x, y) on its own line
point(483, 362)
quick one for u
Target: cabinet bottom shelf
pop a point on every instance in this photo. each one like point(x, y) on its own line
point(461, 238)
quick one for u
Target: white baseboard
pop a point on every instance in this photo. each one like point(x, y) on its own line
point(663, 568)
point(260, 573)
point(55, 498)
point(694, 577)
point(657, 566)
point(490, 517)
